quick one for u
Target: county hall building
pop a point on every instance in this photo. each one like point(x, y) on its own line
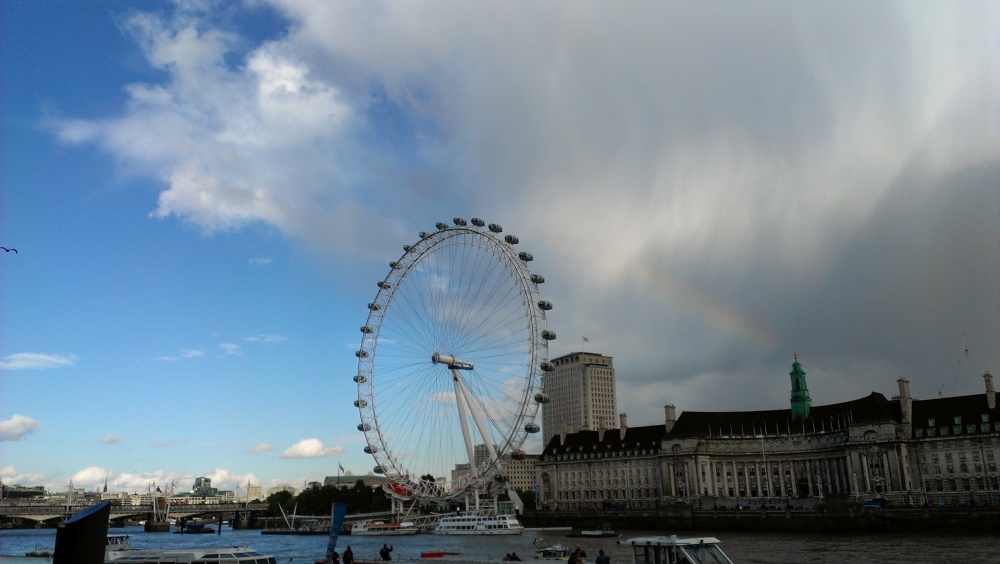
point(903, 450)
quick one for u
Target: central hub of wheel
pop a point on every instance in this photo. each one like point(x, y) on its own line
point(451, 362)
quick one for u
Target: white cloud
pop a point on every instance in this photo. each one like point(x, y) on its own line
point(110, 439)
point(231, 349)
point(261, 261)
point(90, 475)
point(36, 361)
point(262, 338)
point(10, 475)
point(262, 447)
point(168, 443)
point(191, 353)
point(310, 448)
point(17, 427)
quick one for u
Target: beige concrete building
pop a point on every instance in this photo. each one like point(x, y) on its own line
point(581, 391)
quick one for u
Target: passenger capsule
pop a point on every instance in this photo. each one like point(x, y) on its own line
point(549, 335)
point(542, 397)
point(526, 257)
point(378, 470)
point(511, 239)
point(395, 265)
point(547, 366)
point(532, 428)
point(459, 222)
point(364, 427)
point(500, 478)
point(518, 455)
point(424, 234)
point(441, 225)
point(360, 403)
point(406, 248)
point(370, 449)
point(367, 330)
point(544, 305)
point(384, 285)
point(374, 306)
point(495, 227)
point(537, 278)
point(360, 378)
point(364, 354)
point(478, 222)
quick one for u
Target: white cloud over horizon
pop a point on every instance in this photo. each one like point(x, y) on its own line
point(17, 427)
point(36, 361)
point(310, 448)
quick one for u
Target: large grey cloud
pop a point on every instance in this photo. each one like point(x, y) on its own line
point(708, 187)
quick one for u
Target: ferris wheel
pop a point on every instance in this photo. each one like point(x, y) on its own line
point(450, 363)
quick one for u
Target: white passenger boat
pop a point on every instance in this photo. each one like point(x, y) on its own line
point(232, 555)
point(659, 550)
point(383, 528)
point(478, 524)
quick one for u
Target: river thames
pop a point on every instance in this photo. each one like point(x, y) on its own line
point(741, 547)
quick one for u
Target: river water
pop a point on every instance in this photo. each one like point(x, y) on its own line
point(793, 548)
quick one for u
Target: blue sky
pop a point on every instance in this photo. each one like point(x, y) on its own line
point(204, 194)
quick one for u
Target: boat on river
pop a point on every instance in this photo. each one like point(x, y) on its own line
point(478, 524)
point(592, 533)
point(232, 555)
point(383, 528)
point(553, 552)
point(658, 550)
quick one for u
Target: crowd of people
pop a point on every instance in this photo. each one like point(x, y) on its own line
point(577, 557)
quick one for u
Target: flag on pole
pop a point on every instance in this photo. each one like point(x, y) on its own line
point(586, 340)
point(341, 467)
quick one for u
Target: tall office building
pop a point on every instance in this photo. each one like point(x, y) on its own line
point(581, 393)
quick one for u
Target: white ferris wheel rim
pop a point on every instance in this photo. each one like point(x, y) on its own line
point(461, 292)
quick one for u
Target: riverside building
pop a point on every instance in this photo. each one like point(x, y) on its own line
point(581, 390)
point(908, 451)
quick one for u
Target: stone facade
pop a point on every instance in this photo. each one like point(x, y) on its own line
point(908, 451)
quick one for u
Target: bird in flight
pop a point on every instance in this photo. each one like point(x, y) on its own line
point(9, 250)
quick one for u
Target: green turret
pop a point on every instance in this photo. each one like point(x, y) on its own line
point(800, 393)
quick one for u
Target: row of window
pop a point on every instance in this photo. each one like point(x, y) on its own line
point(963, 484)
point(944, 430)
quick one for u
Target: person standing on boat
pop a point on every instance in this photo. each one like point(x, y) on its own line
point(384, 553)
point(602, 558)
point(348, 556)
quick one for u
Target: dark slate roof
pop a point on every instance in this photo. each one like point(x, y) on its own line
point(943, 410)
point(871, 409)
point(645, 437)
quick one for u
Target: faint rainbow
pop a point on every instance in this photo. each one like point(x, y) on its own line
point(671, 291)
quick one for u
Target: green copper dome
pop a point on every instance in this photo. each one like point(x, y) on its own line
point(800, 392)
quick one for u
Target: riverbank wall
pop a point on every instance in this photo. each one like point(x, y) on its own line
point(838, 518)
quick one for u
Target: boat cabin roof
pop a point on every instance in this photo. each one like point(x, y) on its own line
point(673, 549)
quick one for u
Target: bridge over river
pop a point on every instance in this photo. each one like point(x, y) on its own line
point(46, 512)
